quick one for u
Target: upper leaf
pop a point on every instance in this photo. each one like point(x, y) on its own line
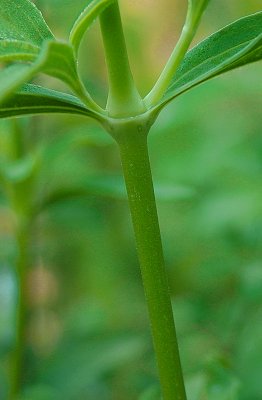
point(55, 59)
point(32, 99)
point(90, 13)
point(58, 60)
point(21, 20)
point(237, 44)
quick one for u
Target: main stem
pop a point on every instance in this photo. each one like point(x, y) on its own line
point(132, 141)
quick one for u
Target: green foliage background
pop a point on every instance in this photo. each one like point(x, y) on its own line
point(88, 334)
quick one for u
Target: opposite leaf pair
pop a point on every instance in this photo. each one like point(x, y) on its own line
point(29, 45)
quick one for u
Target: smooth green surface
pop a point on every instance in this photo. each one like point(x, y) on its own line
point(87, 17)
point(197, 6)
point(237, 44)
point(131, 137)
point(123, 98)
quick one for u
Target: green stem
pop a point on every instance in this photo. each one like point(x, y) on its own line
point(190, 27)
point(124, 99)
point(132, 140)
point(18, 362)
point(19, 199)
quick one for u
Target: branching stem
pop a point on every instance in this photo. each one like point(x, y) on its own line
point(188, 32)
point(124, 99)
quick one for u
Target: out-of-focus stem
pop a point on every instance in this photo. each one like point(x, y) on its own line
point(18, 356)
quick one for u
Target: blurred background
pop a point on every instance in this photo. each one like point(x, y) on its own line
point(87, 334)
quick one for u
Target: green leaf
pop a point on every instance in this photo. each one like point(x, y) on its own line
point(21, 20)
point(17, 171)
point(58, 60)
point(235, 45)
point(152, 393)
point(40, 392)
point(55, 59)
point(113, 187)
point(90, 13)
point(17, 50)
point(33, 99)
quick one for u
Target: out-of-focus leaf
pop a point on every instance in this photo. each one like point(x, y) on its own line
point(74, 371)
point(21, 20)
point(32, 99)
point(251, 282)
point(20, 170)
point(222, 383)
point(169, 192)
point(13, 50)
point(235, 45)
point(248, 353)
point(228, 391)
point(217, 384)
point(196, 387)
point(90, 13)
point(153, 393)
point(91, 135)
point(40, 392)
point(112, 187)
